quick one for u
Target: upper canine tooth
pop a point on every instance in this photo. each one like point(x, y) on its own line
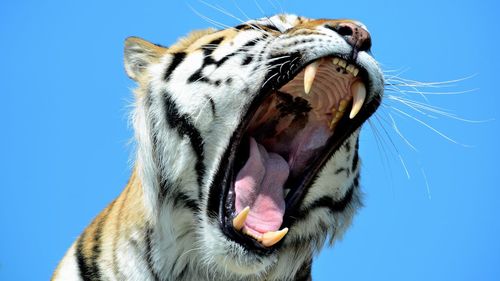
point(355, 72)
point(358, 91)
point(309, 74)
point(272, 237)
point(239, 220)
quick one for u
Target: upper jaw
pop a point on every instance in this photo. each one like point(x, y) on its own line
point(221, 198)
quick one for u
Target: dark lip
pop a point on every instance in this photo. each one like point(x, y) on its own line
point(220, 205)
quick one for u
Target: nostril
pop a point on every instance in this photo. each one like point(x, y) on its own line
point(353, 34)
point(344, 30)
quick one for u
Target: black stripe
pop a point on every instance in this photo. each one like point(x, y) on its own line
point(250, 43)
point(166, 187)
point(348, 146)
point(212, 105)
point(208, 49)
point(184, 126)
point(355, 159)
point(176, 60)
point(216, 41)
point(243, 27)
point(335, 206)
point(88, 266)
point(270, 26)
point(149, 257)
point(180, 276)
point(86, 272)
point(248, 59)
point(340, 170)
point(181, 199)
point(304, 274)
point(255, 26)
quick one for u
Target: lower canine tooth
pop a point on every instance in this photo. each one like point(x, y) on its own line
point(272, 237)
point(358, 91)
point(239, 220)
point(309, 74)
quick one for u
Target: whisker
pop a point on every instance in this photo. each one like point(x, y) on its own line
point(426, 183)
point(209, 20)
point(431, 93)
point(225, 12)
point(395, 127)
point(430, 127)
point(264, 15)
point(433, 84)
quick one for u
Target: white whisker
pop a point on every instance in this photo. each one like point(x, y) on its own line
point(209, 20)
point(430, 127)
point(426, 183)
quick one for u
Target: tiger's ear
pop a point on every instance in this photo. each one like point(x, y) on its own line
point(139, 53)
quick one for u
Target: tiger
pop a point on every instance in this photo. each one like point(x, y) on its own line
point(246, 157)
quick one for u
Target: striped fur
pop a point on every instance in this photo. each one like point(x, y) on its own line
point(190, 99)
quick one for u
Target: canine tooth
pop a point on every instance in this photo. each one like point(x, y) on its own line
point(358, 91)
point(335, 61)
point(309, 74)
point(342, 63)
point(239, 220)
point(342, 105)
point(272, 237)
point(355, 72)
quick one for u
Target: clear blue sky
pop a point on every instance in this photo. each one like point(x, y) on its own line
point(65, 140)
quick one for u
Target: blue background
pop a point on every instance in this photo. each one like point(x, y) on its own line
point(66, 152)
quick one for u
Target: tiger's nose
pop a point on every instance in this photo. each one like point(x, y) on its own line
point(354, 34)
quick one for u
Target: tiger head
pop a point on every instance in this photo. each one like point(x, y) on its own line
point(255, 130)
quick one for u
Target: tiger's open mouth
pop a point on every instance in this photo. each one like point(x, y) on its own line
point(291, 129)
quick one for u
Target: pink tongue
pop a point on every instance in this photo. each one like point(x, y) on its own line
point(259, 184)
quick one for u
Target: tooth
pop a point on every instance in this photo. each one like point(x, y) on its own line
point(342, 105)
point(309, 74)
point(350, 68)
point(336, 118)
point(332, 123)
point(239, 220)
point(272, 237)
point(256, 237)
point(342, 63)
point(335, 61)
point(355, 72)
point(358, 91)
